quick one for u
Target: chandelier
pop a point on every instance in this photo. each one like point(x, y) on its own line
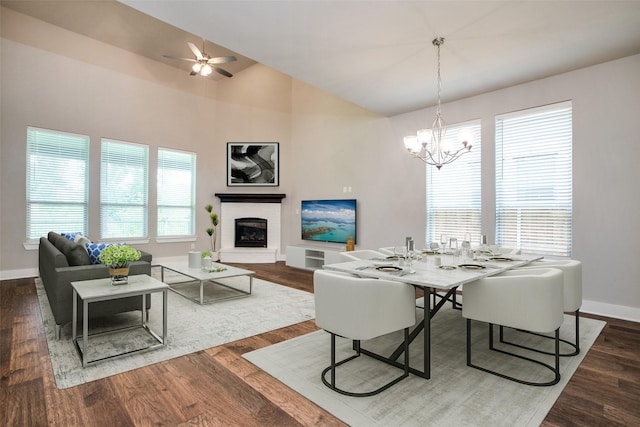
point(430, 145)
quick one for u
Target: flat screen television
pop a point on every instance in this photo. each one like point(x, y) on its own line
point(328, 220)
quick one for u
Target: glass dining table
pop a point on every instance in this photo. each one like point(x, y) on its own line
point(439, 283)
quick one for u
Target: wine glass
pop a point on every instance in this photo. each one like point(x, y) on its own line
point(401, 253)
point(443, 243)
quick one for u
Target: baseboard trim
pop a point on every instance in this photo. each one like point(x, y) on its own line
point(611, 310)
point(19, 274)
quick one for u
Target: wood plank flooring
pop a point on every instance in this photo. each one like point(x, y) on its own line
point(217, 387)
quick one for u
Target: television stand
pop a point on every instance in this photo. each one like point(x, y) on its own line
point(311, 257)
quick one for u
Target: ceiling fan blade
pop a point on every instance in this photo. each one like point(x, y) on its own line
point(221, 60)
point(182, 59)
point(193, 73)
point(221, 71)
point(195, 50)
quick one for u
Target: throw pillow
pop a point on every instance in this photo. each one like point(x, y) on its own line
point(82, 241)
point(94, 250)
point(71, 236)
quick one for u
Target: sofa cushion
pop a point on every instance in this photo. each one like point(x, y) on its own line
point(94, 250)
point(75, 254)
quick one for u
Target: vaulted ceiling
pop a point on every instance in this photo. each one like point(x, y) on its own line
point(375, 53)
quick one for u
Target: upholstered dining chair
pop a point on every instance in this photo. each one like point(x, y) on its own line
point(572, 287)
point(361, 255)
point(383, 307)
point(388, 250)
point(525, 299)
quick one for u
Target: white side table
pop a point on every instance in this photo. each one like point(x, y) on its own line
point(96, 290)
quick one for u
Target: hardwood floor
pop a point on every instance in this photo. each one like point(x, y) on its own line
point(216, 387)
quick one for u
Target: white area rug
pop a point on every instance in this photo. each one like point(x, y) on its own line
point(456, 395)
point(191, 327)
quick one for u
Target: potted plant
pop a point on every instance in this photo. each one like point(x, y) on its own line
point(117, 258)
point(211, 231)
point(206, 259)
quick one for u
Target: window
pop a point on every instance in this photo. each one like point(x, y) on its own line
point(533, 179)
point(123, 190)
point(454, 191)
point(57, 182)
point(176, 193)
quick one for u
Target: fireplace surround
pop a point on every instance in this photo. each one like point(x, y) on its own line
point(265, 206)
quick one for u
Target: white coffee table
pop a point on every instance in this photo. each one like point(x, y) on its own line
point(90, 291)
point(211, 278)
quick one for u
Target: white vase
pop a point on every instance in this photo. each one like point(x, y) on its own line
point(206, 262)
point(215, 256)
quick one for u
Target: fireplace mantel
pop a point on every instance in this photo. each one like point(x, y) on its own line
point(250, 197)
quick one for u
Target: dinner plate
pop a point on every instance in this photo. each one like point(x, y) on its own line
point(388, 268)
point(447, 267)
point(471, 266)
point(500, 258)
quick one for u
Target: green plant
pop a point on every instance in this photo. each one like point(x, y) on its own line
point(211, 231)
point(119, 255)
point(206, 254)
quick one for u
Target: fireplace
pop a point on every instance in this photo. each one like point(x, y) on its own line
point(250, 205)
point(250, 233)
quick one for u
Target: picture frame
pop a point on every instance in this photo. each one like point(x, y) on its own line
point(253, 164)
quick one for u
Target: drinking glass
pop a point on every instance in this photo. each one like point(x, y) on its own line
point(443, 243)
point(455, 252)
point(466, 246)
point(401, 253)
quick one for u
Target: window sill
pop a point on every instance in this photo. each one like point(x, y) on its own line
point(176, 239)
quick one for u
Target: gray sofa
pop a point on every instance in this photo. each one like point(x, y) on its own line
point(62, 261)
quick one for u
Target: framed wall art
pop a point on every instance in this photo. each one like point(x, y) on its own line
point(253, 164)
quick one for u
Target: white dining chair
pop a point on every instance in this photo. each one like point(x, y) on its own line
point(361, 254)
point(383, 307)
point(572, 288)
point(525, 299)
point(388, 250)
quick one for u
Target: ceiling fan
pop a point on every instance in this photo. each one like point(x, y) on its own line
point(204, 64)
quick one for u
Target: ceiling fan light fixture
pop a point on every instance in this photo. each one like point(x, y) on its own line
point(196, 67)
point(206, 70)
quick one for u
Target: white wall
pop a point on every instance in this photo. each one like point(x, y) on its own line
point(606, 149)
point(54, 79)
point(326, 144)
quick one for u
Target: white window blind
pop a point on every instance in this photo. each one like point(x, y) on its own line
point(57, 182)
point(533, 179)
point(123, 190)
point(454, 191)
point(176, 193)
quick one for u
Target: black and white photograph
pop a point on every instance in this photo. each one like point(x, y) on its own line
point(253, 164)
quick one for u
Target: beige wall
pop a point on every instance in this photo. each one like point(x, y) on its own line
point(326, 144)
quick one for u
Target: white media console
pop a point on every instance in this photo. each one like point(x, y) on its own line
point(311, 257)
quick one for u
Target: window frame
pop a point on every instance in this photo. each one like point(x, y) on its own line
point(107, 188)
point(544, 204)
point(469, 184)
point(161, 205)
point(61, 151)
